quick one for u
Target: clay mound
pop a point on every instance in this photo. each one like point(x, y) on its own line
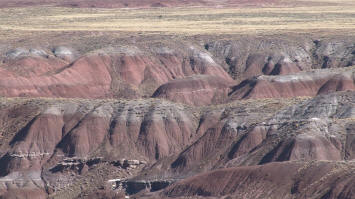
point(63, 136)
point(227, 133)
point(29, 62)
point(300, 84)
point(272, 56)
point(137, 70)
point(305, 147)
point(337, 105)
point(337, 83)
point(284, 67)
point(31, 66)
point(260, 64)
point(274, 180)
point(333, 54)
point(241, 135)
point(87, 77)
point(70, 138)
point(195, 90)
point(298, 133)
point(247, 57)
point(112, 72)
point(299, 147)
point(151, 68)
point(145, 129)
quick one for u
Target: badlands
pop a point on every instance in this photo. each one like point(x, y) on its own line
point(177, 99)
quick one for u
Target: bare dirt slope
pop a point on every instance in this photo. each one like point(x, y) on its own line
point(180, 70)
point(59, 145)
point(274, 180)
point(199, 99)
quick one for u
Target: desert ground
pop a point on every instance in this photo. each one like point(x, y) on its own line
point(177, 99)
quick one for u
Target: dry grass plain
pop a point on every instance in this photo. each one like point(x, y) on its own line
point(320, 16)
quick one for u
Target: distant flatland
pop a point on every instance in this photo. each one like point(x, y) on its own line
point(180, 99)
point(131, 3)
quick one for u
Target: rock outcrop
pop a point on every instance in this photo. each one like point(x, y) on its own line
point(135, 186)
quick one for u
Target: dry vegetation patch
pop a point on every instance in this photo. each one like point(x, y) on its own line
point(189, 21)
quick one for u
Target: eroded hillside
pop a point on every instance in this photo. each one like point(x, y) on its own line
point(192, 102)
